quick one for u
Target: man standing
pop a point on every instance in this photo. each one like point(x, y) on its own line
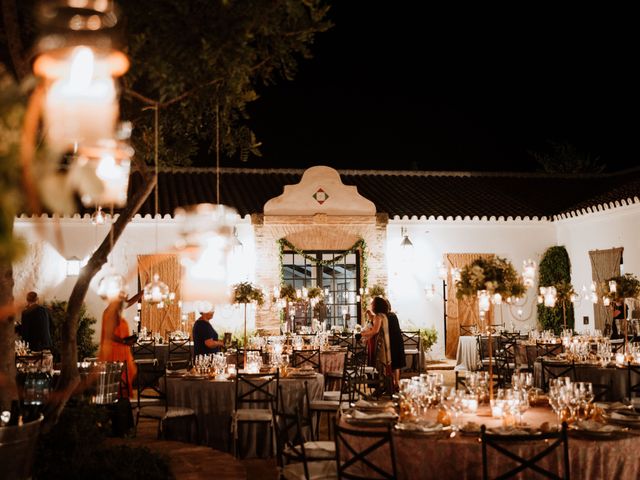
point(205, 338)
point(36, 324)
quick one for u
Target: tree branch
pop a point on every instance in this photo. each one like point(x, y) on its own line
point(69, 377)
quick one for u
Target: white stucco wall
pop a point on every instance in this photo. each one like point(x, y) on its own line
point(43, 269)
point(619, 227)
point(411, 272)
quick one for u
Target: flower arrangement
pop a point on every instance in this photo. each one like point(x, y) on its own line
point(496, 275)
point(626, 286)
point(245, 292)
point(315, 292)
point(288, 293)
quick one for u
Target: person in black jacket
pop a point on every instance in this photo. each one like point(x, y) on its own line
point(398, 358)
point(36, 324)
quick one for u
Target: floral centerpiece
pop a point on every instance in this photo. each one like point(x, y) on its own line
point(496, 275)
point(246, 292)
point(428, 338)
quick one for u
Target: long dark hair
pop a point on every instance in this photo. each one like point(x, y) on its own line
point(379, 305)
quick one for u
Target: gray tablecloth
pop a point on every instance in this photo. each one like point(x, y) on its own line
point(467, 357)
point(615, 377)
point(213, 402)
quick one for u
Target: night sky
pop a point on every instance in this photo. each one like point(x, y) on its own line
point(395, 85)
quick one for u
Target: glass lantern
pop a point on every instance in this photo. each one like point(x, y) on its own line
point(112, 287)
point(204, 250)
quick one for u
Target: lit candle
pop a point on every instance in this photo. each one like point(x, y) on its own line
point(620, 358)
point(81, 106)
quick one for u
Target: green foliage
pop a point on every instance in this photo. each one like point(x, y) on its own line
point(205, 58)
point(555, 270)
point(495, 274)
point(428, 337)
point(86, 347)
point(11, 113)
point(627, 286)
point(245, 292)
point(288, 293)
point(377, 290)
point(564, 157)
point(74, 449)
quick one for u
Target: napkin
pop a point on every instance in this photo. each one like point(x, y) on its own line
point(367, 404)
point(370, 416)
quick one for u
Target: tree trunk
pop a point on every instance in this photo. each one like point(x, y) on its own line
point(69, 377)
point(8, 390)
point(21, 67)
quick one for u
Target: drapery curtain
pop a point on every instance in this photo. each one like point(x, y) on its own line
point(604, 265)
point(166, 319)
point(459, 312)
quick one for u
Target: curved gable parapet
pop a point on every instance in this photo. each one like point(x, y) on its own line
point(320, 190)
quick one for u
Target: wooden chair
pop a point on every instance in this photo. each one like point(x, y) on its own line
point(467, 330)
point(548, 349)
point(179, 356)
point(359, 462)
point(144, 350)
point(413, 348)
point(506, 357)
point(152, 401)
point(256, 398)
point(633, 387)
point(306, 358)
point(298, 458)
point(547, 444)
point(555, 370)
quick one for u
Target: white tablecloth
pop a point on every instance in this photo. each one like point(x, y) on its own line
point(467, 357)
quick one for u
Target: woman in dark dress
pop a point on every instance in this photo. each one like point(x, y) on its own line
point(398, 358)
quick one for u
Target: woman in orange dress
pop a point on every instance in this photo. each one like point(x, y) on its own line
point(115, 341)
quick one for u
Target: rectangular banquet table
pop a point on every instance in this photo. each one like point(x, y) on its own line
point(440, 456)
point(213, 402)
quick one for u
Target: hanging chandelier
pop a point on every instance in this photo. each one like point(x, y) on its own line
point(112, 287)
point(156, 292)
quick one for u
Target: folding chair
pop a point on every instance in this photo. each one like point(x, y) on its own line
point(413, 348)
point(259, 392)
point(152, 399)
point(547, 443)
point(555, 370)
point(179, 355)
point(306, 358)
point(355, 449)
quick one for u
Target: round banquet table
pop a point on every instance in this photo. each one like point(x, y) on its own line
point(213, 402)
point(439, 456)
point(467, 357)
point(613, 376)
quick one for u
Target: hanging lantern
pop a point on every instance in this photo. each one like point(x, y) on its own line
point(549, 296)
point(100, 173)
point(156, 291)
point(98, 217)
point(528, 272)
point(78, 55)
point(207, 238)
point(112, 287)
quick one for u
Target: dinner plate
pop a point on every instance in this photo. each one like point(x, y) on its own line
point(593, 429)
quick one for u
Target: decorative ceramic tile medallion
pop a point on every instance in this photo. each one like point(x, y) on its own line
point(320, 196)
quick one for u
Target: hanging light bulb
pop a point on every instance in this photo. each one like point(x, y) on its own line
point(528, 272)
point(112, 287)
point(613, 286)
point(156, 291)
point(405, 244)
point(442, 271)
point(549, 295)
point(207, 232)
point(98, 217)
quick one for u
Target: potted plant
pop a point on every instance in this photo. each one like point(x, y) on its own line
point(428, 338)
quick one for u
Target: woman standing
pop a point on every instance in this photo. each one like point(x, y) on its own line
point(398, 357)
point(115, 341)
point(377, 315)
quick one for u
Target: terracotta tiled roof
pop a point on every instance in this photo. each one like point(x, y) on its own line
point(429, 194)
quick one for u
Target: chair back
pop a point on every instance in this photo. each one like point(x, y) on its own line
point(617, 345)
point(548, 349)
point(554, 370)
point(342, 341)
point(151, 382)
point(287, 428)
point(144, 349)
point(633, 384)
point(483, 346)
point(411, 340)
point(179, 354)
point(547, 444)
point(257, 390)
point(306, 358)
point(358, 453)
